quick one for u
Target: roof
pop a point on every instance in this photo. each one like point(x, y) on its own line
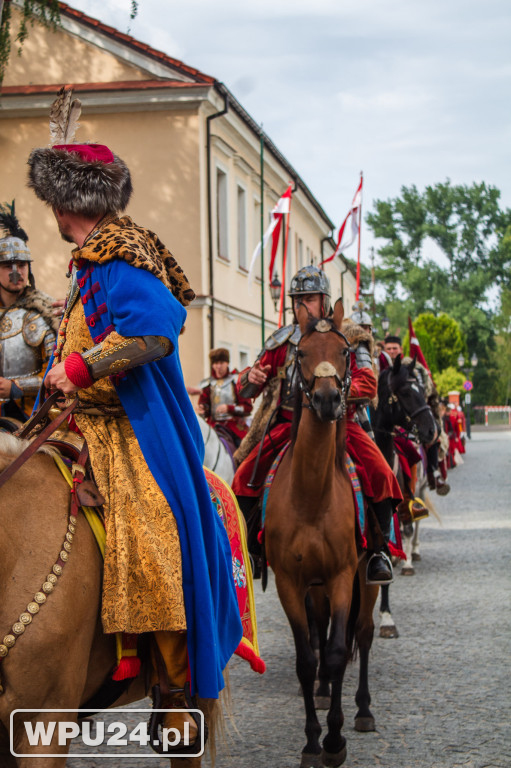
point(196, 78)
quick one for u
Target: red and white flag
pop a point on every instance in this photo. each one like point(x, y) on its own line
point(348, 235)
point(415, 348)
point(283, 206)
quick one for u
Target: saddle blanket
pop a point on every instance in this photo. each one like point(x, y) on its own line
point(395, 545)
point(227, 507)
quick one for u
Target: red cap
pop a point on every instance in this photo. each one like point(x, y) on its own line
point(89, 153)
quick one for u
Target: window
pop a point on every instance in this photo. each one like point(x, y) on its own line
point(300, 254)
point(221, 215)
point(244, 359)
point(242, 228)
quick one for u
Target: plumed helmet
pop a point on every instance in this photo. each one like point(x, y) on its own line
point(310, 279)
point(360, 316)
point(14, 246)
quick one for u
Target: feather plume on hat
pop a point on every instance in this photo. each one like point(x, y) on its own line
point(64, 115)
point(85, 179)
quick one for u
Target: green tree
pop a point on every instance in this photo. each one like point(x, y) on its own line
point(448, 380)
point(474, 235)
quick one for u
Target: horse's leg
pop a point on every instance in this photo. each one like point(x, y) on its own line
point(416, 555)
point(319, 617)
point(407, 569)
point(364, 720)
point(293, 602)
point(336, 657)
point(387, 625)
point(6, 759)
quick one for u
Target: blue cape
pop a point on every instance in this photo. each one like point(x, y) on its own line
point(134, 302)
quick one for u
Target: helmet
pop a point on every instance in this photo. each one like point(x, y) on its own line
point(359, 316)
point(13, 249)
point(311, 280)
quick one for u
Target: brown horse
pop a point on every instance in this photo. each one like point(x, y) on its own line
point(310, 538)
point(62, 658)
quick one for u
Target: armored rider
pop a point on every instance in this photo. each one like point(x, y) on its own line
point(220, 404)
point(27, 322)
point(274, 374)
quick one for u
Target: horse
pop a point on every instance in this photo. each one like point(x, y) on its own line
point(61, 657)
point(217, 456)
point(401, 402)
point(310, 538)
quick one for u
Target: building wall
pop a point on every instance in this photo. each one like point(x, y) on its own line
point(66, 57)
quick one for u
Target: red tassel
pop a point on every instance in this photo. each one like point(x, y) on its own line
point(129, 666)
point(246, 652)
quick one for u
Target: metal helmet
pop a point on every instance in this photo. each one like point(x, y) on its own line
point(359, 316)
point(311, 280)
point(14, 249)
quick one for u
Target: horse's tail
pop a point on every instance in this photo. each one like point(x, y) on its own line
point(351, 636)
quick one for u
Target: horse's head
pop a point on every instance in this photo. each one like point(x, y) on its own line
point(401, 394)
point(323, 363)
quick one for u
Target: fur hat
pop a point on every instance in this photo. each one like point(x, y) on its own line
point(87, 179)
point(392, 340)
point(220, 355)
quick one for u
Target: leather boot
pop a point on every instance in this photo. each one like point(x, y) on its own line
point(173, 649)
point(379, 567)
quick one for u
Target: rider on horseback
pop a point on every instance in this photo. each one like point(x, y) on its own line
point(27, 323)
point(393, 347)
point(274, 374)
point(167, 560)
point(220, 404)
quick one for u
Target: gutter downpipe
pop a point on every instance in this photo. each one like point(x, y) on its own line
point(210, 217)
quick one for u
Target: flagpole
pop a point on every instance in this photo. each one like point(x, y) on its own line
point(359, 234)
point(263, 335)
point(284, 264)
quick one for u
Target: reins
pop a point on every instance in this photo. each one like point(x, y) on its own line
point(343, 384)
point(41, 438)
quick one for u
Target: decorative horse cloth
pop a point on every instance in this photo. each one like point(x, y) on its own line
point(395, 545)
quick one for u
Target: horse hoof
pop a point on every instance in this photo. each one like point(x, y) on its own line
point(329, 760)
point(407, 570)
point(389, 632)
point(310, 761)
point(322, 702)
point(365, 724)
point(416, 557)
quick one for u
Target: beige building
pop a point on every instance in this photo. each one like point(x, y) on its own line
point(195, 158)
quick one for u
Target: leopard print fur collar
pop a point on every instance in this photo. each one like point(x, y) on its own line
point(121, 238)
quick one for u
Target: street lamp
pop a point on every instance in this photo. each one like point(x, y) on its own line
point(385, 324)
point(466, 370)
point(275, 289)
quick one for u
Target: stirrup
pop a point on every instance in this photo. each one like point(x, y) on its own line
point(418, 509)
point(156, 721)
point(380, 582)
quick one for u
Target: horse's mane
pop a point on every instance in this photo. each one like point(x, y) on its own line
point(11, 447)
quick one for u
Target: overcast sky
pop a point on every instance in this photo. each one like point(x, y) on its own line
point(409, 91)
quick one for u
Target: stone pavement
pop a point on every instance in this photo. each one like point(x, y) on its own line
point(441, 691)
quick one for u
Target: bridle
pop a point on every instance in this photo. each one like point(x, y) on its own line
point(394, 398)
point(324, 370)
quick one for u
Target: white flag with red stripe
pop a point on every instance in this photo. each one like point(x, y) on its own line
point(348, 235)
point(282, 207)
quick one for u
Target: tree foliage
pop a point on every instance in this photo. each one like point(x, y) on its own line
point(449, 380)
point(473, 235)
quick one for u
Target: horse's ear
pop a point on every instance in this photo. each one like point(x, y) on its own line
point(302, 317)
point(397, 364)
point(412, 364)
point(338, 314)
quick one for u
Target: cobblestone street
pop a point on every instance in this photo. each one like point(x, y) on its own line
point(440, 692)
